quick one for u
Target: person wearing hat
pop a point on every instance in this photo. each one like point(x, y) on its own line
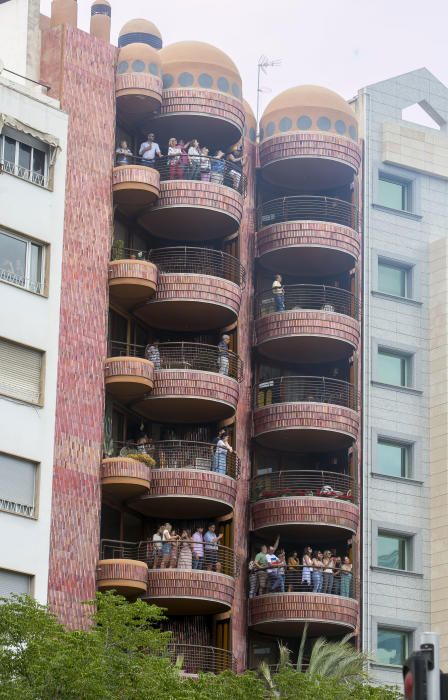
point(217, 167)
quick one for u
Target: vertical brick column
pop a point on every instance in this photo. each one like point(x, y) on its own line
point(81, 71)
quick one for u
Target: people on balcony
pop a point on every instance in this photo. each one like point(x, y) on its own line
point(205, 165)
point(278, 292)
point(307, 566)
point(223, 355)
point(149, 150)
point(220, 455)
point(123, 154)
point(194, 154)
point(185, 560)
point(217, 168)
point(211, 540)
point(174, 160)
point(152, 353)
point(198, 548)
point(235, 160)
point(346, 577)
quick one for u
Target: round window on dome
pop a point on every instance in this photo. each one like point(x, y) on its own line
point(223, 84)
point(304, 123)
point(285, 124)
point(236, 90)
point(167, 80)
point(185, 79)
point(138, 66)
point(353, 131)
point(324, 124)
point(340, 126)
point(270, 129)
point(205, 80)
point(122, 67)
point(153, 69)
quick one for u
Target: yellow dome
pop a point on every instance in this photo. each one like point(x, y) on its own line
point(139, 58)
point(308, 107)
point(188, 63)
point(140, 31)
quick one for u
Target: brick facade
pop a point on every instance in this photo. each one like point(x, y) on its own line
point(308, 510)
point(186, 583)
point(126, 470)
point(194, 482)
point(315, 234)
point(323, 324)
point(139, 84)
point(203, 102)
point(122, 574)
point(303, 607)
point(310, 416)
point(311, 145)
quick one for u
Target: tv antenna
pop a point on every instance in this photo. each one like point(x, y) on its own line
point(263, 64)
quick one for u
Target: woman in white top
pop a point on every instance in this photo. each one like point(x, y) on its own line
point(166, 545)
point(174, 156)
point(221, 450)
point(205, 165)
point(194, 154)
point(307, 566)
point(328, 563)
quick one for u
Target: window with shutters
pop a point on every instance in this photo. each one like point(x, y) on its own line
point(15, 582)
point(21, 371)
point(22, 262)
point(17, 485)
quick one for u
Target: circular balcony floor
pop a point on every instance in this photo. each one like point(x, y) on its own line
point(126, 576)
point(134, 187)
point(123, 478)
point(128, 378)
point(190, 592)
point(131, 282)
point(304, 516)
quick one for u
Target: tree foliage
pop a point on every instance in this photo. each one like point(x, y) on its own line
point(122, 657)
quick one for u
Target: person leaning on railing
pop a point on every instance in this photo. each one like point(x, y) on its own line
point(123, 154)
point(149, 149)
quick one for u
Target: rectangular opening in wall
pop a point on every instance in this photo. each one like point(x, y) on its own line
point(394, 193)
point(24, 156)
point(394, 279)
point(14, 582)
point(22, 262)
point(393, 458)
point(393, 551)
point(392, 646)
point(17, 485)
point(394, 368)
point(21, 370)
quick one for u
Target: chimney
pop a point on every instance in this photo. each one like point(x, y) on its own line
point(100, 15)
point(64, 12)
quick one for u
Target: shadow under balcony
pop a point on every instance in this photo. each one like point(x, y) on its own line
point(310, 161)
point(128, 374)
point(121, 569)
point(198, 289)
point(305, 412)
point(132, 277)
point(195, 209)
point(137, 95)
point(193, 383)
point(315, 322)
point(190, 479)
point(303, 235)
point(306, 503)
point(134, 184)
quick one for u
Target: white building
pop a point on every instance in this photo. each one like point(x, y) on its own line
point(33, 136)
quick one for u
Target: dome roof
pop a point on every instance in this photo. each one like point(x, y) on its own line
point(308, 96)
point(250, 127)
point(140, 31)
point(197, 52)
point(137, 58)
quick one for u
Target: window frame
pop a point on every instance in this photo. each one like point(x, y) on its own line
point(33, 177)
point(31, 577)
point(406, 446)
point(405, 544)
point(41, 284)
point(415, 547)
point(41, 401)
point(406, 369)
point(407, 191)
point(408, 635)
point(403, 268)
point(34, 514)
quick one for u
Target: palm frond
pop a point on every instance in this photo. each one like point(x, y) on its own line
point(338, 660)
point(284, 654)
point(299, 666)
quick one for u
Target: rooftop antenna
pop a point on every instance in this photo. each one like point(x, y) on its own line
point(263, 64)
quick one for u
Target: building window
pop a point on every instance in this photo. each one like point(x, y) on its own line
point(394, 368)
point(13, 582)
point(21, 370)
point(392, 646)
point(393, 458)
point(393, 551)
point(394, 278)
point(24, 157)
point(22, 262)
point(17, 485)
point(394, 193)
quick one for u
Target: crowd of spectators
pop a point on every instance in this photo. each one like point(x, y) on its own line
point(173, 549)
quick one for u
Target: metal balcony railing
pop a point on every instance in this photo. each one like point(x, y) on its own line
point(32, 285)
point(307, 297)
point(204, 261)
point(120, 252)
point(117, 348)
point(201, 659)
point(282, 579)
point(199, 168)
point(307, 208)
point(305, 389)
point(291, 483)
point(23, 173)
point(181, 454)
point(182, 554)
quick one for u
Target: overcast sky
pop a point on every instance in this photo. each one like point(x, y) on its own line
point(341, 44)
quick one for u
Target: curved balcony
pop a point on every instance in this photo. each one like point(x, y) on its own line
point(303, 235)
point(201, 659)
point(120, 569)
point(132, 278)
point(215, 116)
point(194, 383)
point(199, 289)
point(125, 477)
point(128, 375)
point(315, 322)
point(310, 161)
point(302, 500)
point(137, 95)
point(134, 184)
point(286, 613)
point(190, 478)
point(193, 208)
point(307, 413)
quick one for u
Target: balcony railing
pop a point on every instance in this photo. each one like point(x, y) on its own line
point(307, 297)
point(32, 285)
point(182, 554)
point(281, 578)
point(307, 208)
point(204, 261)
point(305, 389)
point(199, 168)
point(18, 170)
point(293, 483)
point(201, 659)
point(117, 348)
point(180, 454)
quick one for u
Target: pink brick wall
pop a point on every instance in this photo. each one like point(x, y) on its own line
point(296, 606)
point(203, 102)
point(322, 324)
point(85, 83)
point(311, 145)
point(324, 511)
point(202, 484)
point(309, 234)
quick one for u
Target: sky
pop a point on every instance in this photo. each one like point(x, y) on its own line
point(340, 44)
